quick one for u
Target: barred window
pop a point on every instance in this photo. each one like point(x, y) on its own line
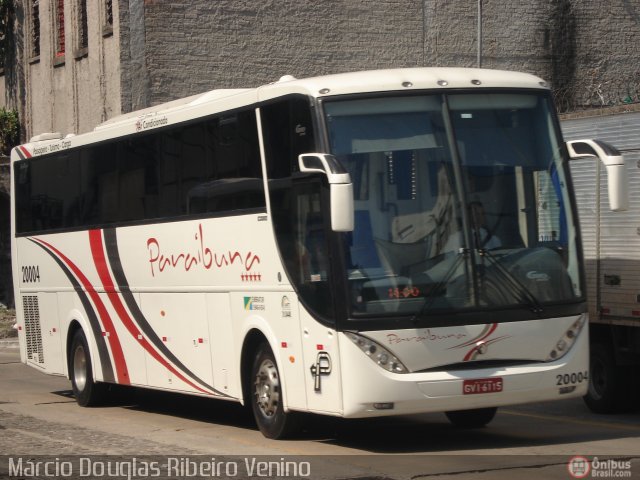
point(83, 31)
point(35, 28)
point(108, 13)
point(59, 19)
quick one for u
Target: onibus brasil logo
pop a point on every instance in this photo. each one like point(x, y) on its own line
point(582, 467)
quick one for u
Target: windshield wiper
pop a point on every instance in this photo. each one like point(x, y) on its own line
point(516, 288)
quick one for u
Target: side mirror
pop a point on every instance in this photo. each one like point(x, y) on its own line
point(340, 187)
point(617, 178)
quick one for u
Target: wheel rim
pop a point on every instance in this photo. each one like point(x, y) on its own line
point(267, 388)
point(598, 384)
point(79, 368)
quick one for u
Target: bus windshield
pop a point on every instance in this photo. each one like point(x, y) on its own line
point(461, 203)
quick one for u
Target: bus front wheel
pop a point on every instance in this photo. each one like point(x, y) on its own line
point(267, 401)
point(610, 385)
point(474, 418)
point(87, 392)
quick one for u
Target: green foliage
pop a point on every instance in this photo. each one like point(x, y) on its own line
point(9, 130)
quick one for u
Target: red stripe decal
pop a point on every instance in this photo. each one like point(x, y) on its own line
point(97, 250)
point(122, 376)
point(25, 152)
point(473, 352)
point(486, 331)
point(491, 330)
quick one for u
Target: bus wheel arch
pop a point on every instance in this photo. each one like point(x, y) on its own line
point(262, 387)
point(251, 343)
point(80, 365)
point(73, 327)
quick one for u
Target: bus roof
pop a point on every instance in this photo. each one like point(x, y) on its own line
point(401, 79)
point(220, 100)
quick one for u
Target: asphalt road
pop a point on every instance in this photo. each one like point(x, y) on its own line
point(38, 416)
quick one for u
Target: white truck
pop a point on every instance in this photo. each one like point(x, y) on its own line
point(611, 243)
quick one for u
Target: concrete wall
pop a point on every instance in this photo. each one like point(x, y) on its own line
point(195, 46)
point(73, 93)
point(586, 51)
point(163, 50)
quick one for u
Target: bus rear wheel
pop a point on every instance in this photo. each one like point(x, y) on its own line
point(474, 418)
point(267, 401)
point(87, 392)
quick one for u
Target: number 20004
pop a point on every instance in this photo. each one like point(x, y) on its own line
point(30, 274)
point(572, 378)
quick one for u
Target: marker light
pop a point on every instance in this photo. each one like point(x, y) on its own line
point(378, 353)
point(563, 345)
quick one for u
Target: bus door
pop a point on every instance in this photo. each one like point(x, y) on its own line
point(317, 312)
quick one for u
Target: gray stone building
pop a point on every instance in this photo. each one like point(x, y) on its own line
point(75, 63)
point(72, 64)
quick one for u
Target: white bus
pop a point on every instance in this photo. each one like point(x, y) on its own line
point(357, 245)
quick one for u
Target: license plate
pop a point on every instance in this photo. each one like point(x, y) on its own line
point(482, 385)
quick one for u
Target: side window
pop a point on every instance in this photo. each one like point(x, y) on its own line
point(47, 193)
point(98, 185)
point(137, 179)
point(233, 171)
point(209, 166)
point(193, 162)
point(288, 131)
point(22, 188)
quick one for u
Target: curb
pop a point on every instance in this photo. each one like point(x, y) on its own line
point(9, 343)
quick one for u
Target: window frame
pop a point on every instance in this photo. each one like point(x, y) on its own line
point(59, 32)
point(82, 23)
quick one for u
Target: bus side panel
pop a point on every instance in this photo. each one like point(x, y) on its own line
point(223, 350)
point(36, 311)
point(286, 324)
point(274, 314)
point(132, 347)
point(51, 339)
point(321, 365)
point(179, 321)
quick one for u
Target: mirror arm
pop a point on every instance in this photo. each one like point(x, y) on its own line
point(340, 187)
point(617, 178)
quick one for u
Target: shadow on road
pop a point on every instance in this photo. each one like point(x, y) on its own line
point(528, 426)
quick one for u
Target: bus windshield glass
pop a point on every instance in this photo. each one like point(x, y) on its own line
point(461, 203)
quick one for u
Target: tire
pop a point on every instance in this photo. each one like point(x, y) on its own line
point(610, 385)
point(475, 418)
point(266, 397)
point(87, 392)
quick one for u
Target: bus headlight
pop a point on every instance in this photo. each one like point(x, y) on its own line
point(378, 353)
point(564, 343)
